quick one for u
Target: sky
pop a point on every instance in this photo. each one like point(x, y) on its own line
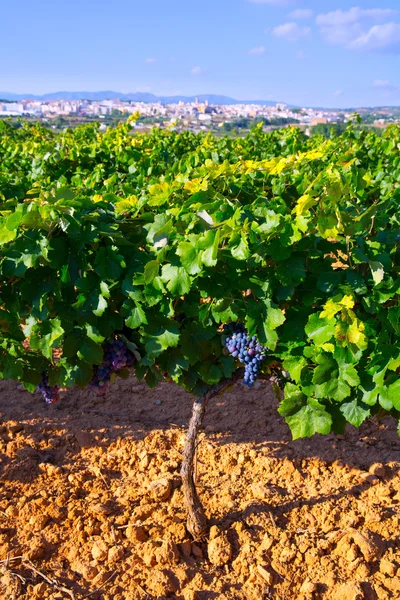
point(309, 53)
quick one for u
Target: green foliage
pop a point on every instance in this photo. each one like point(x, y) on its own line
point(164, 237)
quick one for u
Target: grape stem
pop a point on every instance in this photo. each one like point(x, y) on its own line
point(197, 524)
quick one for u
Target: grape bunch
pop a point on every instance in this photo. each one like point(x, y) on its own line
point(116, 357)
point(247, 349)
point(50, 393)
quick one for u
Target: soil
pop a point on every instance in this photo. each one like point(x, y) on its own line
point(91, 504)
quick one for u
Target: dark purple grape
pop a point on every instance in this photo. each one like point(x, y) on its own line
point(248, 350)
point(50, 393)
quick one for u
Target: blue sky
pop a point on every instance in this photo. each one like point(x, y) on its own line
point(345, 54)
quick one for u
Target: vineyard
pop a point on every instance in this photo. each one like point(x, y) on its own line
point(221, 267)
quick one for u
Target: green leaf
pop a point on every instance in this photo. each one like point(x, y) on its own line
point(190, 257)
point(275, 318)
point(293, 401)
point(239, 248)
point(160, 337)
point(101, 307)
point(177, 280)
point(151, 271)
point(320, 330)
point(378, 271)
point(210, 244)
point(309, 420)
point(392, 394)
point(90, 352)
point(94, 334)
point(294, 365)
point(136, 318)
point(354, 413)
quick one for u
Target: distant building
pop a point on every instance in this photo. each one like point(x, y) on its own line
point(318, 121)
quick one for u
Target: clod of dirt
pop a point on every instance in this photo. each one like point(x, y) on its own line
point(168, 553)
point(387, 567)
point(265, 574)
point(115, 554)
point(10, 585)
point(161, 489)
point(370, 544)
point(136, 533)
point(377, 469)
point(100, 550)
point(348, 591)
point(219, 550)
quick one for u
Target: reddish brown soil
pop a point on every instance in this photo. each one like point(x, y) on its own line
point(93, 501)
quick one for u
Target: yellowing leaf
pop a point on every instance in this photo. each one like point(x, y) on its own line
point(196, 185)
point(328, 347)
point(331, 308)
point(304, 204)
point(347, 302)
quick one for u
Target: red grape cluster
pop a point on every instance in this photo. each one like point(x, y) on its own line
point(247, 349)
point(116, 357)
point(50, 393)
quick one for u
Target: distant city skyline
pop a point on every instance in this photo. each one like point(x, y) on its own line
point(342, 55)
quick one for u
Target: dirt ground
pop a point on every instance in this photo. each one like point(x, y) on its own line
point(91, 504)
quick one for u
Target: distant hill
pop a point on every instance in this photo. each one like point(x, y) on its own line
point(133, 97)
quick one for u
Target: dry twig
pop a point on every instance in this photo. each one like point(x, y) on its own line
point(27, 563)
point(101, 587)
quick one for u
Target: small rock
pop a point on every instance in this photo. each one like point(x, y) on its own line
point(259, 491)
point(15, 428)
point(115, 553)
point(387, 567)
point(352, 554)
point(348, 591)
point(186, 548)
point(99, 550)
point(197, 551)
point(377, 469)
point(219, 550)
point(89, 572)
point(161, 489)
point(84, 439)
point(214, 532)
point(266, 575)
point(12, 512)
point(149, 554)
point(308, 587)
point(369, 478)
point(370, 544)
point(144, 459)
point(167, 553)
point(136, 533)
point(40, 589)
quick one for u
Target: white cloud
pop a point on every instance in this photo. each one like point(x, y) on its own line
point(257, 51)
point(292, 32)
point(379, 37)
point(360, 29)
point(150, 61)
point(384, 84)
point(338, 93)
point(301, 13)
point(198, 71)
point(354, 15)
